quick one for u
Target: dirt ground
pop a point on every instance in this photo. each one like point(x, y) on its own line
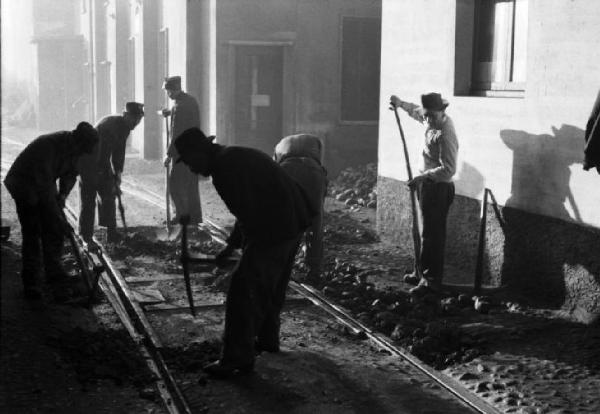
point(517, 358)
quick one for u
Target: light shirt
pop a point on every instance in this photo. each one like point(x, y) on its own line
point(441, 146)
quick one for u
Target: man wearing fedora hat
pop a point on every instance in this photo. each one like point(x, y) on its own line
point(31, 181)
point(100, 172)
point(183, 184)
point(434, 186)
point(272, 211)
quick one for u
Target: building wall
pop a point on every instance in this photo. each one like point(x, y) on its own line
point(311, 32)
point(528, 151)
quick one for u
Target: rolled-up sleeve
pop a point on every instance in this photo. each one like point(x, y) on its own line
point(448, 154)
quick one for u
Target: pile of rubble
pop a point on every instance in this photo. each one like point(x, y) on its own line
point(355, 186)
point(429, 327)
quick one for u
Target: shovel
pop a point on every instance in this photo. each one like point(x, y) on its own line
point(413, 202)
point(167, 234)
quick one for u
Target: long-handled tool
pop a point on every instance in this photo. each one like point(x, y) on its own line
point(481, 243)
point(167, 234)
point(121, 208)
point(413, 201)
point(167, 179)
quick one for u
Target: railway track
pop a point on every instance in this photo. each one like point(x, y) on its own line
point(309, 293)
point(118, 291)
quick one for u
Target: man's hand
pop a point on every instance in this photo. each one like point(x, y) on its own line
point(167, 161)
point(394, 102)
point(416, 181)
point(223, 255)
point(166, 112)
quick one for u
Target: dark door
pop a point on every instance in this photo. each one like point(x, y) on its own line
point(258, 96)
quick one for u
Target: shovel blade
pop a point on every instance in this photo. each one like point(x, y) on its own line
point(171, 234)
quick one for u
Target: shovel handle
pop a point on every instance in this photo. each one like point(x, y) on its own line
point(185, 264)
point(167, 179)
point(416, 234)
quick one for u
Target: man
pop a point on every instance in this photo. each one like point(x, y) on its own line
point(300, 156)
point(31, 182)
point(592, 138)
point(272, 212)
point(434, 187)
point(183, 184)
point(101, 171)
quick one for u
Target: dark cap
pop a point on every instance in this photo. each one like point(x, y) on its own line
point(134, 108)
point(433, 102)
point(172, 83)
point(86, 136)
point(193, 140)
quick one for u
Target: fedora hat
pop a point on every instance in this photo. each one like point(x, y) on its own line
point(193, 140)
point(433, 102)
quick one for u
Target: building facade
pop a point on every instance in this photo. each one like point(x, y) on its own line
point(521, 77)
point(260, 69)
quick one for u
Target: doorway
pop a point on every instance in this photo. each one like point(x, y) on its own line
point(258, 96)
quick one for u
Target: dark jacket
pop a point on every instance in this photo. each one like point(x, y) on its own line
point(269, 206)
point(113, 131)
point(592, 138)
point(185, 115)
point(32, 177)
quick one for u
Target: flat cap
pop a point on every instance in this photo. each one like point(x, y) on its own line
point(172, 83)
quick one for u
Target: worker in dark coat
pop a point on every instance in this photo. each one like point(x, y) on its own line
point(300, 156)
point(592, 138)
point(31, 182)
point(101, 171)
point(183, 184)
point(272, 212)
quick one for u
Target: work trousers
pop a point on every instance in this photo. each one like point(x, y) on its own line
point(435, 199)
point(255, 298)
point(42, 242)
point(312, 178)
point(91, 185)
point(183, 187)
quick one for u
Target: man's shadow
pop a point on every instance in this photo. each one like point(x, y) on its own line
point(538, 246)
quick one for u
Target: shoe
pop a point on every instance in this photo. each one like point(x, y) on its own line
point(32, 293)
point(224, 370)
point(411, 279)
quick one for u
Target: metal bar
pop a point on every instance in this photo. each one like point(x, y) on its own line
point(185, 261)
point(481, 243)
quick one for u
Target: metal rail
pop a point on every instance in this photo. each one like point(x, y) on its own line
point(382, 342)
point(116, 290)
point(138, 327)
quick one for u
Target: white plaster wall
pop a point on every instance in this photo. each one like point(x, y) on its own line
point(539, 174)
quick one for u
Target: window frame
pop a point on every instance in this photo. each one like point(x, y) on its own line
point(506, 88)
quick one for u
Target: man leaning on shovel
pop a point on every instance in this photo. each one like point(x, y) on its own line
point(434, 187)
point(100, 172)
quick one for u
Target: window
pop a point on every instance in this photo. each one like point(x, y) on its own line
point(500, 46)
point(361, 44)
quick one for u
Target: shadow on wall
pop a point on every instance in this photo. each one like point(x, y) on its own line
point(544, 256)
point(463, 229)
